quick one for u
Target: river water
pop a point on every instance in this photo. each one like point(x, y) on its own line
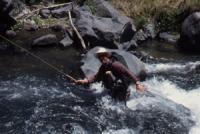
point(34, 99)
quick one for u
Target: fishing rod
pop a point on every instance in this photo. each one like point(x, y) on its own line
point(39, 58)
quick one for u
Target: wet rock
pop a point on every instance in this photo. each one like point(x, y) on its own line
point(67, 41)
point(58, 27)
point(92, 64)
point(30, 25)
point(10, 33)
point(45, 13)
point(140, 36)
point(142, 55)
point(172, 39)
point(61, 12)
point(127, 46)
point(85, 8)
point(190, 33)
point(147, 32)
point(45, 40)
point(4, 46)
point(150, 31)
point(99, 31)
point(6, 20)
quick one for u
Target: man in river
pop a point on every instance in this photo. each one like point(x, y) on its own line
point(115, 76)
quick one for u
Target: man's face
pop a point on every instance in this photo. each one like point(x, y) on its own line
point(103, 59)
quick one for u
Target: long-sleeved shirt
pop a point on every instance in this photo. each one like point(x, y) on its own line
point(118, 70)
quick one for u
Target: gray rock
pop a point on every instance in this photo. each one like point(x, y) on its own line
point(128, 46)
point(61, 12)
point(10, 33)
point(30, 26)
point(147, 32)
point(190, 33)
point(92, 64)
point(45, 13)
point(150, 31)
point(172, 39)
point(140, 36)
point(99, 31)
point(45, 40)
point(85, 8)
point(67, 41)
point(105, 9)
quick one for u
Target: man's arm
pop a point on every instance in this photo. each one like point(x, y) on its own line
point(92, 78)
point(130, 74)
point(124, 70)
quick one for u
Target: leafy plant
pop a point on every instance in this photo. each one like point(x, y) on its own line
point(168, 20)
point(140, 21)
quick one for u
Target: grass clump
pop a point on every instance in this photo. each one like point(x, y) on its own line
point(166, 13)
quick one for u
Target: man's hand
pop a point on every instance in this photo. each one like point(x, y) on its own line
point(140, 87)
point(82, 82)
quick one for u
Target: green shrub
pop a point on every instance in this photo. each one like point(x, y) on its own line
point(168, 20)
point(140, 21)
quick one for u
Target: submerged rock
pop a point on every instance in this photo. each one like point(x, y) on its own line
point(92, 64)
point(10, 33)
point(67, 41)
point(45, 40)
point(173, 39)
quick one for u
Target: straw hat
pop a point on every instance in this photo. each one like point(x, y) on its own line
point(102, 51)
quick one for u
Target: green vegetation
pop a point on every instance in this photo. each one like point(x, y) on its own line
point(166, 13)
point(91, 5)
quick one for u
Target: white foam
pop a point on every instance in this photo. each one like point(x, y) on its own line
point(97, 87)
point(162, 67)
point(189, 99)
point(120, 131)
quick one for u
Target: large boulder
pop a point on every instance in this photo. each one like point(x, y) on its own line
point(6, 20)
point(190, 33)
point(92, 64)
point(106, 28)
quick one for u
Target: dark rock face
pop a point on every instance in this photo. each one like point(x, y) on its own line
point(104, 29)
point(92, 64)
point(45, 40)
point(190, 33)
point(6, 20)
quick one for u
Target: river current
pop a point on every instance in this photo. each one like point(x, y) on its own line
point(34, 99)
